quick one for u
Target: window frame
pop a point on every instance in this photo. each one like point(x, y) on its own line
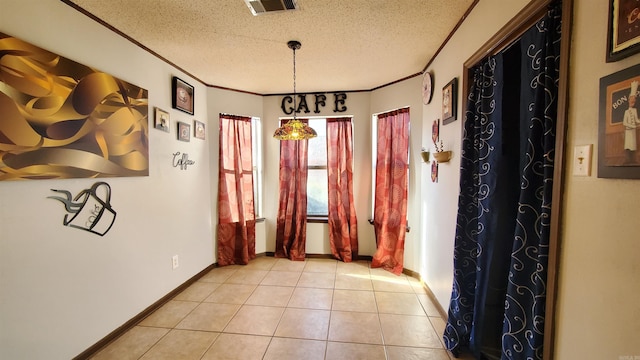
point(318, 217)
point(257, 166)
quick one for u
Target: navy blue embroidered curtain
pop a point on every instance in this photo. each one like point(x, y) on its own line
point(497, 307)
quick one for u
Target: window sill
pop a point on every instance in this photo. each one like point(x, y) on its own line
point(318, 219)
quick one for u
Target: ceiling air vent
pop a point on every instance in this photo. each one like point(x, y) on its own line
point(259, 7)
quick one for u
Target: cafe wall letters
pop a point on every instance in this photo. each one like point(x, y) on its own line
point(318, 102)
point(61, 119)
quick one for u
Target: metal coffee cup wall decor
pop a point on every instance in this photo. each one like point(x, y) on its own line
point(89, 210)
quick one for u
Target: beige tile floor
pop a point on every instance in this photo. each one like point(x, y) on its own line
point(281, 309)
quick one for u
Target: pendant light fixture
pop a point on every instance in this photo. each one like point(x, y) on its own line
point(294, 129)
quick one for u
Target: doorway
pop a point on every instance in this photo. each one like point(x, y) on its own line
point(505, 257)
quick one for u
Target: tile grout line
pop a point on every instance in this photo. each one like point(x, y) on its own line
point(375, 299)
point(333, 294)
point(222, 330)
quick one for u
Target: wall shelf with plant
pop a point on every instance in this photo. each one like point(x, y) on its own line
point(441, 155)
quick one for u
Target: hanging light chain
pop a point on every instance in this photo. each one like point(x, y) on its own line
point(295, 107)
point(294, 129)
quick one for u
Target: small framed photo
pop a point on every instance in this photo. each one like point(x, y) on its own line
point(182, 98)
point(619, 125)
point(623, 39)
point(435, 131)
point(184, 131)
point(198, 129)
point(450, 101)
point(161, 120)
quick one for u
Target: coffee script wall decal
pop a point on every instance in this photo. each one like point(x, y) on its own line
point(182, 161)
point(89, 210)
point(60, 119)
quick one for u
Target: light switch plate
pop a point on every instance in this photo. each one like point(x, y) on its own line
point(582, 160)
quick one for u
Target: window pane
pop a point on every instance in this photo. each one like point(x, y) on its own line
point(317, 185)
point(318, 146)
point(317, 189)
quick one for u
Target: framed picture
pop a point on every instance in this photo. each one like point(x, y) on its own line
point(71, 154)
point(184, 131)
point(623, 39)
point(619, 125)
point(434, 171)
point(182, 98)
point(161, 120)
point(198, 129)
point(449, 101)
point(435, 131)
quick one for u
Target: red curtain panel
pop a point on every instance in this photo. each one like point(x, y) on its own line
point(343, 225)
point(291, 224)
point(236, 216)
point(390, 203)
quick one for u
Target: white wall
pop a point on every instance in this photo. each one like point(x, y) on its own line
point(598, 307)
point(63, 289)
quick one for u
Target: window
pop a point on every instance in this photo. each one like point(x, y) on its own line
point(317, 184)
point(317, 179)
point(256, 149)
point(374, 151)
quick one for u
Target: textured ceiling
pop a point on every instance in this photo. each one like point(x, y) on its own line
point(346, 44)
